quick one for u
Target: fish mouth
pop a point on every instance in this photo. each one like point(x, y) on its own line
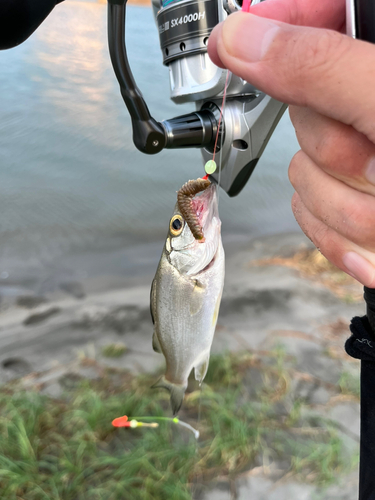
point(205, 206)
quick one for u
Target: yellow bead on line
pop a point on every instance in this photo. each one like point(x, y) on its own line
point(210, 167)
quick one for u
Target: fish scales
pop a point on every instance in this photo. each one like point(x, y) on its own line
point(186, 292)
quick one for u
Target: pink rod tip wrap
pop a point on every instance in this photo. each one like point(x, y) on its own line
point(246, 5)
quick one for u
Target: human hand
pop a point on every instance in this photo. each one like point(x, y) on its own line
point(329, 81)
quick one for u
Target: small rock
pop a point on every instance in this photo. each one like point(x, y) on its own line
point(17, 366)
point(41, 316)
point(53, 390)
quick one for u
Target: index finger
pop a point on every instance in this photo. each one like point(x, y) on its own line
point(312, 13)
point(317, 68)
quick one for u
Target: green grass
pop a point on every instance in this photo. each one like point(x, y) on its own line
point(68, 449)
point(114, 350)
point(350, 384)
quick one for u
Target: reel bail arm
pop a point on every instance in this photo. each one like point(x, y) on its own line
point(196, 129)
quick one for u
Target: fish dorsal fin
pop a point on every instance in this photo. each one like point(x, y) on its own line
point(201, 368)
point(196, 297)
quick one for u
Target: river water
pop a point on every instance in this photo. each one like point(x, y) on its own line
point(76, 198)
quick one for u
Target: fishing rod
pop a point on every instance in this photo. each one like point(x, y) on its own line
point(360, 23)
point(250, 115)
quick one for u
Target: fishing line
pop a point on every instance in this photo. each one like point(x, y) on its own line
point(221, 115)
point(222, 135)
point(210, 166)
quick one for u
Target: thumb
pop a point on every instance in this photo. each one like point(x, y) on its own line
point(322, 69)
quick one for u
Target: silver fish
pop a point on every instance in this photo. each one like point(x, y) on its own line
point(187, 288)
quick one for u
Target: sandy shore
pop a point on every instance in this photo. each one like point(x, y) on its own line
point(258, 300)
point(43, 339)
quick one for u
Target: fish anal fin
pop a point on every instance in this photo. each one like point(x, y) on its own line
point(196, 298)
point(177, 392)
point(200, 370)
point(155, 343)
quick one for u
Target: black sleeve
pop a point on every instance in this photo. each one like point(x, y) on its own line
point(20, 18)
point(361, 345)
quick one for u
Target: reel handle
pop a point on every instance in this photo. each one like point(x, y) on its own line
point(195, 130)
point(148, 134)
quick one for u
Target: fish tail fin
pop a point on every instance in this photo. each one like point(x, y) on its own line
point(177, 392)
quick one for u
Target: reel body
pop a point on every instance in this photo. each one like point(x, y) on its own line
point(249, 117)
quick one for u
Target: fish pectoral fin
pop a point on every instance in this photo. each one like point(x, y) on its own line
point(155, 343)
point(200, 370)
point(196, 298)
point(177, 392)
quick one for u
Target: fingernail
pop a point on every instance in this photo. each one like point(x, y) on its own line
point(359, 268)
point(248, 37)
point(370, 171)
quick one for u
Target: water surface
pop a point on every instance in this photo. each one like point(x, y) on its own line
point(76, 198)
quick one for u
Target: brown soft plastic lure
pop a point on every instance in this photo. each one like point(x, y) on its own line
point(185, 197)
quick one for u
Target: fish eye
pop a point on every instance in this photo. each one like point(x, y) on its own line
point(176, 225)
